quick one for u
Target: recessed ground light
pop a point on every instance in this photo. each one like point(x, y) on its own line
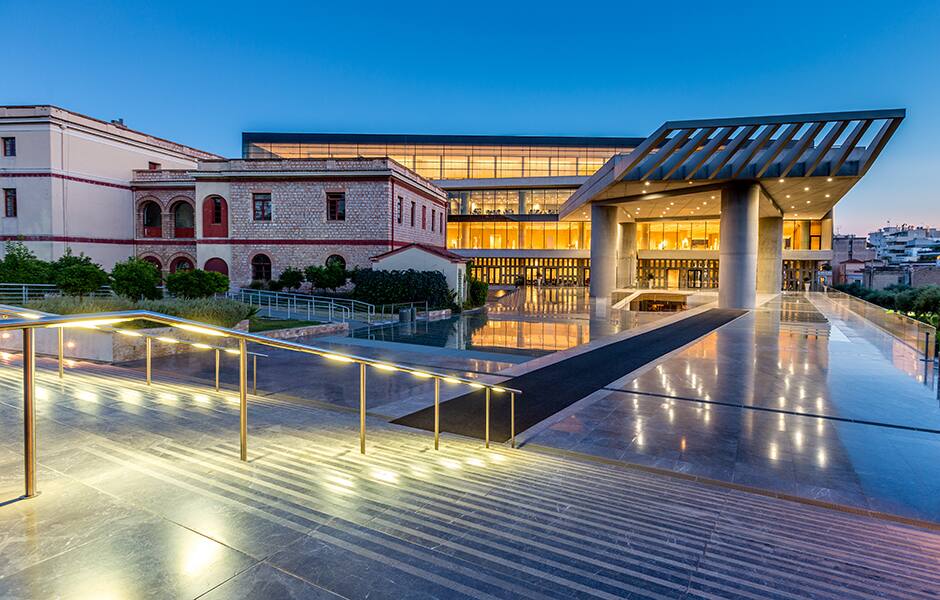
point(828, 178)
point(788, 195)
point(807, 201)
point(780, 181)
point(672, 204)
point(796, 214)
point(806, 189)
point(646, 183)
point(792, 206)
point(827, 195)
point(691, 182)
point(704, 203)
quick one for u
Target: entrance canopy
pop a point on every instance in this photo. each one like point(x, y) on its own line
point(803, 163)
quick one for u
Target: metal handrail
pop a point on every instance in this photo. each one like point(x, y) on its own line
point(336, 309)
point(24, 292)
point(29, 321)
point(882, 318)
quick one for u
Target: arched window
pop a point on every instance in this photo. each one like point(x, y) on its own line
point(181, 263)
point(155, 262)
point(261, 267)
point(214, 217)
point(183, 220)
point(152, 218)
point(217, 265)
point(335, 260)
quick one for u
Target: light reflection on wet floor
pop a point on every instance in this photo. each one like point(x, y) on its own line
point(773, 401)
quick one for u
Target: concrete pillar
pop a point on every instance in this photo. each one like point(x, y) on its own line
point(603, 250)
point(737, 256)
point(770, 255)
point(626, 263)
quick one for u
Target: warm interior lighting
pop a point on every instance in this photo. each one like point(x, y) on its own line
point(198, 329)
point(338, 358)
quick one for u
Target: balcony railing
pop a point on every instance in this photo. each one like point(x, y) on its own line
point(153, 232)
point(184, 232)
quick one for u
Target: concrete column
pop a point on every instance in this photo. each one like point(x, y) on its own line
point(737, 257)
point(626, 263)
point(603, 250)
point(770, 255)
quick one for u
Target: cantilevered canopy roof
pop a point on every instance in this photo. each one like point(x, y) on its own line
point(804, 163)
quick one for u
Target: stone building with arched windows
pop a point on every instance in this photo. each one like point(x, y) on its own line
point(251, 219)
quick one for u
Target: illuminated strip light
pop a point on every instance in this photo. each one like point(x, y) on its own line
point(198, 329)
point(232, 350)
point(201, 346)
point(129, 333)
point(496, 388)
point(421, 374)
point(90, 323)
point(383, 367)
point(479, 386)
point(27, 315)
point(168, 340)
point(452, 380)
point(338, 358)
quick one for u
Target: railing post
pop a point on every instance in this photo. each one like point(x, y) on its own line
point(362, 408)
point(487, 417)
point(512, 418)
point(243, 398)
point(29, 409)
point(149, 355)
point(254, 375)
point(217, 359)
point(61, 334)
point(437, 413)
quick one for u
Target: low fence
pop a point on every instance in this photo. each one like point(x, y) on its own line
point(918, 335)
point(309, 307)
point(21, 293)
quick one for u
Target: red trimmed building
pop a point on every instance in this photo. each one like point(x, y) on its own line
point(252, 218)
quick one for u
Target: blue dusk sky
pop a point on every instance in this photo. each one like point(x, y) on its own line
point(201, 73)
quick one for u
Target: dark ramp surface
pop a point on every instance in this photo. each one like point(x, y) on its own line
point(552, 388)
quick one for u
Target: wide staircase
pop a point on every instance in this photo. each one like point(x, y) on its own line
point(404, 520)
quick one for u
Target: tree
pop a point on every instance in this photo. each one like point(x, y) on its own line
point(196, 283)
point(77, 275)
point(291, 278)
point(336, 276)
point(927, 301)
point(136, 279)
point(904, 302)
point(20, 265)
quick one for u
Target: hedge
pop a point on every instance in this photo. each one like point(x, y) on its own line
point(221, 312)
point(387, 287)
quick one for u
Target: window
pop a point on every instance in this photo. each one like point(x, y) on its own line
point(216, 211)
point(433, 218)
point(261, 202)
point(412, 214)
point(183, 220)
point(261, 267)
point(153, 166)
point(214, 217)
point(152, 218)
point(9, 146)
point(336, 206)
point(337, 261)
point(183, 263)
point(401, 209)
point(9, 203)
point(424, 217)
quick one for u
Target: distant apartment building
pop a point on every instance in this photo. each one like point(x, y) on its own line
point(850, 255)
point(905, 244)
point(251, 219)
point(66, 180)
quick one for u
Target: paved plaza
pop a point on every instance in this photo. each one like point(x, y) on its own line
point(143, 495)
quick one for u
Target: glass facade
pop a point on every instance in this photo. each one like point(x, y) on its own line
point(508, 202)
point(514, 235)
point(671, 273)
point(455, 161)
point(706, 235)
point(515, 270)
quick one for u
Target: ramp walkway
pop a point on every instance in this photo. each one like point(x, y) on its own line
point(552, 388)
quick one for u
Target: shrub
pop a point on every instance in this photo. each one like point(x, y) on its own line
point(77, 275)
point(477, 292)
point(386, 287)
point(329, 277)
point(196, 283)
point(20, 265)
point(291, 278)
point(223, 312)
point(136, 279)
point(216, 311)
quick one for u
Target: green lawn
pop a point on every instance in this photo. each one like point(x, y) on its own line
point(258, 324)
